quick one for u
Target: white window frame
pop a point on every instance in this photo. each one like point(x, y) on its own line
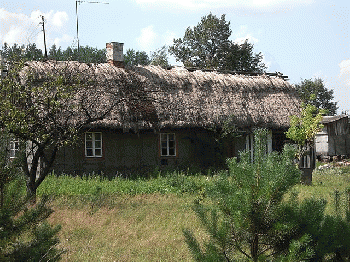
point(168, 148)
point(249, 143)
point(14, 147)
point(94, 148)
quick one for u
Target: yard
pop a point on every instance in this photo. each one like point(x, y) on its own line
point(142, 219)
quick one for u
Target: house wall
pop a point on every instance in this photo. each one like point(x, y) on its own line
point(125, 153)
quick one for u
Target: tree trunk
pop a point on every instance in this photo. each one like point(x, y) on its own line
point(255, 247)
point(1, 195)
point(31, 191)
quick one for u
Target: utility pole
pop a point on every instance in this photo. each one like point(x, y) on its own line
point(43, 23)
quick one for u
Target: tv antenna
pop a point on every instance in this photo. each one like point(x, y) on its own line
point(77, 3)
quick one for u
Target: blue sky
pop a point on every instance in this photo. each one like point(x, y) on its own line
point(301, 39)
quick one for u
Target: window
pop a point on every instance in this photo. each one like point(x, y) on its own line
point(14, 147)
point(93, 144)
point(167, 145)
point(249, 143)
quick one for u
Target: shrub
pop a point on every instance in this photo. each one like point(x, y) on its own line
point(249, 217)
point(24, 233)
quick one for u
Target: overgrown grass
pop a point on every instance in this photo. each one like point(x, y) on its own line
point(329, 184)
point(142, 219)
point(175, 182)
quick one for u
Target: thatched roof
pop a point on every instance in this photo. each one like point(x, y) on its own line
point(180, 98)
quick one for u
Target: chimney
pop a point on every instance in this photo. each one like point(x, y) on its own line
point(115, 54)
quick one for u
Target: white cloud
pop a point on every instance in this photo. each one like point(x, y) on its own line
point(23, 29)
point(341, 86)
point(13, 34)
point(147, 39)
point(271, 63)
point(205, 4)
point(344, 74)
point(242, 34)
point(59, 18)
point(67, 39)
point(35, 16)
point(168, 38)
point(268, 63)
point(249, 37)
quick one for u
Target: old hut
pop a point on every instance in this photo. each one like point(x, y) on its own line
point(170, 117)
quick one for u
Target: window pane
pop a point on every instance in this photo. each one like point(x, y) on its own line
point(171, 137)
point(97, 136)
point(164, 152)
point(164, 144)
point(88, 144)
point(98, 152)
point(89, 152)
point(97, 144)
point(88, 136)
point(171, 151)
point(163, 137)
point(171, 144)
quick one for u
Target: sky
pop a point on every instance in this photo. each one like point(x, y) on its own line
point(303, 39)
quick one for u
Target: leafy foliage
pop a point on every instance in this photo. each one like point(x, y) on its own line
point(303, 128)
point(315, 93)
point(134, 58)
point(30, 52)
point(160, 57)
point(86, 54)
point(18, 53)
point(24, 234)
point(207, 45)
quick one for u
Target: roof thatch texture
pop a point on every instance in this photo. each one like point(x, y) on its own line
point(154, 97)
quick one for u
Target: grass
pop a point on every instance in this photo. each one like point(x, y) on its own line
point(142, 219)
point(132, 228)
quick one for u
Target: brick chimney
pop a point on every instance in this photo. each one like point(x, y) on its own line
point(115, 54)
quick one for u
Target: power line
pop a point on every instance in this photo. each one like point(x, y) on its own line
point(33, 33)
